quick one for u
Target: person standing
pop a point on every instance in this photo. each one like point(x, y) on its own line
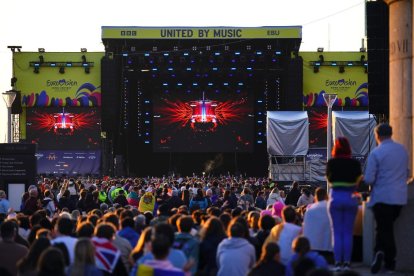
point(4, 203)
point(343, 174)
point(387, 174)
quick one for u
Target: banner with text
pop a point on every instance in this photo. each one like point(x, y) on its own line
point(350, 82)
point(58, 79)
point(201, 32)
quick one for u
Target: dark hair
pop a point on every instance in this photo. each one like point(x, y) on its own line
point(185, 223)
point(128, 222)
point(383, 130)
point(212, 228)
point(64, 226)
point(32, 234)
point(105, 230)
point(236, 230)
point(301, 245)
point(225, 219)
point(29, 262)
point(24, 221)
point(289, 214)
point(320, 194)
point(51, 262)
point(266, 222)
point(85, 229)
point(64, 250)
point(165, 230)
point(8, 229)
point(160, 247)
point(306, 191)
point(113, 219)
point(269, 251)
point(303, 266)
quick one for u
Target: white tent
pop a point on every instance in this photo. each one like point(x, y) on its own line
point(287, 133)
point(358, 127)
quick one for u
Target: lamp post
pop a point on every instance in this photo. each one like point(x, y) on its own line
point(8, 98)
point(329, 100)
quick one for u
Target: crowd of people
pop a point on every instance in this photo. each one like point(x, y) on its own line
point(192, 225)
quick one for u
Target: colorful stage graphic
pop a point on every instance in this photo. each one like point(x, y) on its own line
point(63, 128)
point(203, 125)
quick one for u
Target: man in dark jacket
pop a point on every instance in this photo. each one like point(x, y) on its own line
point(293, 195)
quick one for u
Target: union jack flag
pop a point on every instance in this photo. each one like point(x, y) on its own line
point(106, 254)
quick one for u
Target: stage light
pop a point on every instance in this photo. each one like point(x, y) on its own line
point(341, 69)
point(278, 52)
point(124, 54)
point(83, 50)
point(321, 59)
point(62, 70)
point(14, 48)
point(68, 64)
point(362, 50)
point(146, 54)
point(185, 54)
point(216, 53)
point(333, 63)
point(350, 63)
point(53, 64)
point(258, 53)
point(237, 53)
point(320, 49)
point(249, 68)
point(41, 50)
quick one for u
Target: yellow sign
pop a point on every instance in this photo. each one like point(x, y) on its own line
point(201, 33)
point(335, 73)
point(58, 79)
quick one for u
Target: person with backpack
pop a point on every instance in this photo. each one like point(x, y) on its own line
point(48, 203)
point(199, 202)
point(185, 242)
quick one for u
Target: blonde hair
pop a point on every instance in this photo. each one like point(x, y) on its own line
point(84, 255)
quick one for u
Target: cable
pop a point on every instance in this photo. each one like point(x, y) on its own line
point(333, 14)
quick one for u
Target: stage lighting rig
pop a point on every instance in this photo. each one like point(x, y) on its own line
point(14, 48)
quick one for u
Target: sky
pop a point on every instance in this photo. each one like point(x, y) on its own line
point(67, 26)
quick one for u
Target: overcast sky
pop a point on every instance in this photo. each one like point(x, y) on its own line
point(65, 26)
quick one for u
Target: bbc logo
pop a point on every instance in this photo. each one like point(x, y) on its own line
point(128, 33)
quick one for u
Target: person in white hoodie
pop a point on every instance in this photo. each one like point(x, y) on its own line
point(274, 196)
point(235, 255)
point(316, 223)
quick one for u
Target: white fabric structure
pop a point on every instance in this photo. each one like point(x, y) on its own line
point(358, 127)
point(287, 133)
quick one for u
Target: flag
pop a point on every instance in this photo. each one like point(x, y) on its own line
point(106, 254)
point(145, 270)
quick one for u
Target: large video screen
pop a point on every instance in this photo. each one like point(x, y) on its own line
point(68, 162)
point(63, 128)
point(203, 121)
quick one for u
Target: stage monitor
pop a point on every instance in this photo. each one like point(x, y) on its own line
point(203, 121)
point(63, 128)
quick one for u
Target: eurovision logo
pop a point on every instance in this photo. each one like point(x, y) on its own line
point(61, 83)
point(340, 83)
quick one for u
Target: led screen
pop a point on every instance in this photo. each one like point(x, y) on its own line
point(63, 128)
point(217, 120)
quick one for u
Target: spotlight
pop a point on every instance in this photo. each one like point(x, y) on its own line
point(315, 69)
point(341, 69)
point(362, 50)
point(14, 48)
point(320, 49)
point(321, 58)
point(84, 50)
point(62, 70)
point(41, 50)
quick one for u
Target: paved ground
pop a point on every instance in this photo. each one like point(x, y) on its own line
point(364, 270)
